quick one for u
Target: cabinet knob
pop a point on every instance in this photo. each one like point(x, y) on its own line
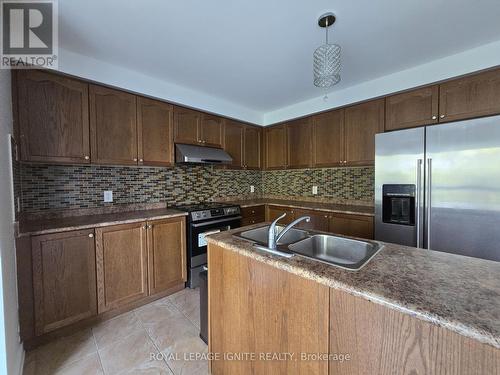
point(434, 117)
point(87, 157)
point(91, 235)
point(141, 160)
point(135, 159)
point(442, 116)
point(150, 226)
point(253, 211)
point(144, 227)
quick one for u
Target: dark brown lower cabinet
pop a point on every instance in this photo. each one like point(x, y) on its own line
point(352, 225)
point(253, 215)
point(381, 340)
point(273, 212)
point(318, 221)
point(121, 265)
point(166, 254)
point(64, 279)
point(255, 308)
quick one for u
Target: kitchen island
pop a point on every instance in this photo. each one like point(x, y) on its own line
point(407, 311)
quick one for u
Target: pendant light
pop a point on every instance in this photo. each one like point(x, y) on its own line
point(326, 58)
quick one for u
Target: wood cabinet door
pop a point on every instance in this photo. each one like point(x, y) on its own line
point(328, 138)
point(154, 132)
point(187, 126)
point(410, 109)
point(275, 147)
point(113, 126)
point(382, 340)
point(256, 308)
point(299, 143)
point(352, 225)
point(64, 281)
point(166, 254)
point(252, 147)
point(319, 220)
point(233, 142)
point(121, 265)
point(273, 212)
point(474, 96)
point(53, 118)
point(361, 123)
point(211, 129)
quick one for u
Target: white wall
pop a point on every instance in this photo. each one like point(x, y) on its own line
point(472, 60)
point(11, 351)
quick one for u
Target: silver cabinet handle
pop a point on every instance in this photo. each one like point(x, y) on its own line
point(418, 198)
point(135, 159)
point(141, 160)
point(434, 117)
point(91, 235)
point(144, 227)
point(442, 116)
point(150, 226)
point(429, 201)
point(87, 157)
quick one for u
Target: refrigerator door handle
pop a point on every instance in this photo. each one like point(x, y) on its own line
point(418, 199)
point(429, 201)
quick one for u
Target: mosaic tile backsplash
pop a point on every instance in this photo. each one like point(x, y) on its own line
point(48, 187)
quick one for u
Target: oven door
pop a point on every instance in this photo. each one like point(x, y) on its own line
point(197, 232)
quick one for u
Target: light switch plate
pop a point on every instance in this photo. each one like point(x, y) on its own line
point(252, 189)
point(315, 189)
point(108, 196)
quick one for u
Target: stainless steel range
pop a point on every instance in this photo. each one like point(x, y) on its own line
point(205, 219)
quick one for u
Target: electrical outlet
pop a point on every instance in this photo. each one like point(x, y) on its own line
point(108, 196)
point(252, 189)
point(315, 189)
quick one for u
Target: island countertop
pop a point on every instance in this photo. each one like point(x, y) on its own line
point(456, 292)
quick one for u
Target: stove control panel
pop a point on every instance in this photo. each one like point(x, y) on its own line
point(214, 213)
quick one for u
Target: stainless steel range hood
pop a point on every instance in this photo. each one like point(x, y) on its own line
point(204, 155)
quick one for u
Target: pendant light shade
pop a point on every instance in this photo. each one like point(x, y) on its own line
point(326, 58)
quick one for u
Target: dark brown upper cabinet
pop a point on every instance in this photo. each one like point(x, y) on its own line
point(154, 132)
point(196, 128)
point(211, 128)
point(242, 142)
point(275, 147)
point(328, 138)
point(113, 126)
point(473, 96)
point(411, 109)
point(361, 123)
point(252, 147)
point(187, 126)
point(53, 118)
point(234, 133)
point(299, 143)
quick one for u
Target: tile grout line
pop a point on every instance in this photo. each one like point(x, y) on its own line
point(154, 343)
point(98, 354)
point(184, 314)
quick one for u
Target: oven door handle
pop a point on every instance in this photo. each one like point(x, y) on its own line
point(197, 225)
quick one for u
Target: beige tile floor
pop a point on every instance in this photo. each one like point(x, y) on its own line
point(124, 344)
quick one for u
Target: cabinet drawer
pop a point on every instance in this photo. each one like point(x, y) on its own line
point(248, 212)
point(252, 220)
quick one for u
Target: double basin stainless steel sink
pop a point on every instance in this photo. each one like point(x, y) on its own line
point(340, 251)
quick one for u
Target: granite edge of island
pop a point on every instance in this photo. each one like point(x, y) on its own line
point(307, 268)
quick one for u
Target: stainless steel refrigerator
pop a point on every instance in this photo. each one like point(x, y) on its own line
point(438, 187)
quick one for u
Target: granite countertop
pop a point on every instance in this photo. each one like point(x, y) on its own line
point(452, 291)
point(63, 224)
point(306, 205)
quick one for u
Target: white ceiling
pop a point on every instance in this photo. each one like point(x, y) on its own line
point(257, 55)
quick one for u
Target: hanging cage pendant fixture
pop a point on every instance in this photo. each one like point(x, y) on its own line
point(326, 58)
